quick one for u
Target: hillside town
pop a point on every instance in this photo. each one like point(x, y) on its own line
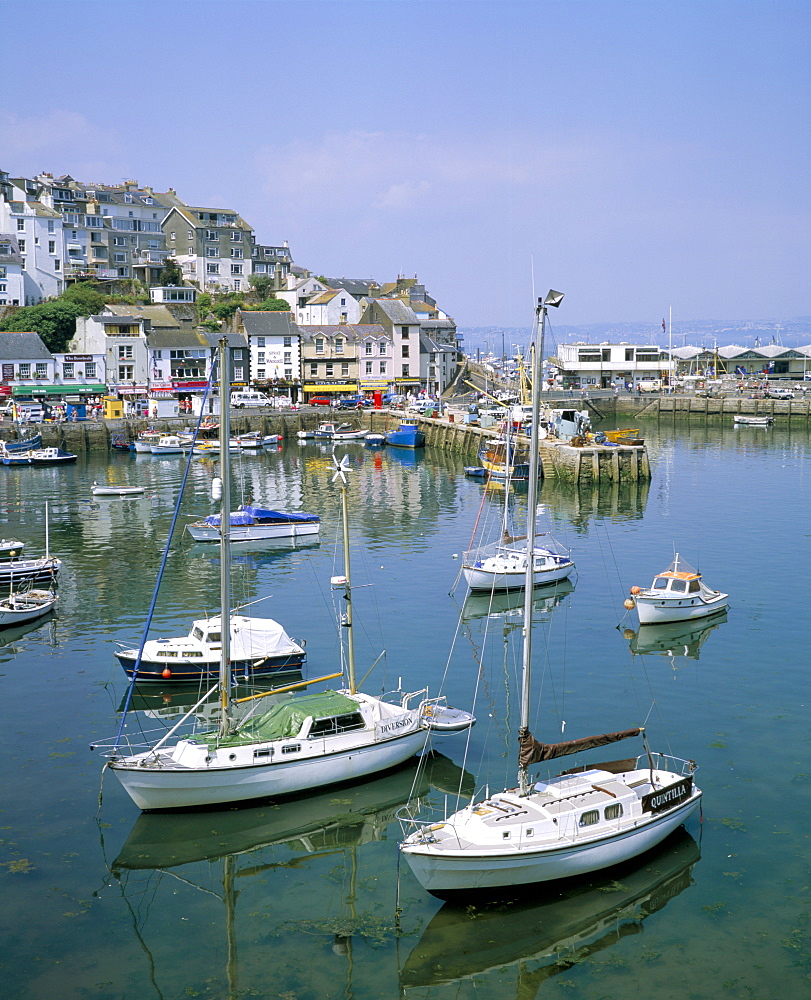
point(294, 336)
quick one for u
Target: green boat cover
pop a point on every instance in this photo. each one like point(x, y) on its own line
point(285, 720)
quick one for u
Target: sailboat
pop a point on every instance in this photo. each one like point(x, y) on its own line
point(308, 742)
point(582, 820)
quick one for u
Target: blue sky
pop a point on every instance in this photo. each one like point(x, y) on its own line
point(635, 155)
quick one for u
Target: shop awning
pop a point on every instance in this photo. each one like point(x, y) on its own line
point(331, 387)
point(58, 390)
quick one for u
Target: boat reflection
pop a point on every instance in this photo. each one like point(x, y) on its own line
point(405, 456)
point(340, 817)
point(509, 605)
point(683, 639)
point(536, 941)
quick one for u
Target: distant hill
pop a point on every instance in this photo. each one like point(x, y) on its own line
point(695, 333)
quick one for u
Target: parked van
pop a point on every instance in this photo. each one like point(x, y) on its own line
point(249, 398)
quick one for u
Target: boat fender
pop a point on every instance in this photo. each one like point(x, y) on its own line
point(636, 590)
point(216, 488)
point(166, 673)
point(629, 603)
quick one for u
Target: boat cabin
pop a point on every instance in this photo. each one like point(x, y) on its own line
point(677, 583)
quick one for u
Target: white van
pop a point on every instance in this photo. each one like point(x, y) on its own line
point(249, 398)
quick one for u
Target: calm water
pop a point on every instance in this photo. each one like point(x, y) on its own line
point(299, 900)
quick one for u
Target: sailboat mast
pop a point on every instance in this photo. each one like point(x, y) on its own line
point(552, 299)
point(347, 622)
point(225, 536)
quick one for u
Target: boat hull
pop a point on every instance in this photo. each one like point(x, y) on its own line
point(659, 610)
point(255, 532)
point(16, 571)
point(480, 578)
point(406, 436)
point(153, 787)
point(457, 873)
point(22, 608)
point(208, 670)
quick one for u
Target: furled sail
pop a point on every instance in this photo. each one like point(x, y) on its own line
point(531, 751)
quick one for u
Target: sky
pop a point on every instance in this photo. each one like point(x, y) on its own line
point(637, 155)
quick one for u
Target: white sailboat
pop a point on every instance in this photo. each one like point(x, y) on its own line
point(309, 742)
point(576, 822)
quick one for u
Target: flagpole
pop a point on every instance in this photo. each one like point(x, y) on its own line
point(670, 349)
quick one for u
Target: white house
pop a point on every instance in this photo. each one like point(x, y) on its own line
point(581, 365)
point(40, 241)
point(274, 348)
point(12, 282)
point(299, 292)
point(331, 307)
point(402, 325)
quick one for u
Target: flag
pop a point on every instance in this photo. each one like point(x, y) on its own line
point(664, 326)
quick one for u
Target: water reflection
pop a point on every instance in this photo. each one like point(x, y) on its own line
point(509, 605)
point(675, 639)
point(535, 941)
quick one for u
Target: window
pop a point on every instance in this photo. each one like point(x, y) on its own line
point(236, 253)
point(21, 244)
point(339, 345)
point(123, 272)
point(236, 269)
point(382, 367)
point(125, 373)
point(629, 354)
point(368, 347)
point(679, 586)
point(119, 258)
point(125, 352)
point(191, 235)
point(330, 370)
point(90, 369)
point(237, 284)
point(319, 345)
point(20, 225)
point(382, 346)
point(51, 246)
point(236, 237)
point(237, 354)
point(288, 373)
point(24, 371)
point(287, 342)
point(590, 818)
point(212, 268)
point(212, 251)
point(288, 357)
point(368, 367)
point(41, 370)
point(171, 236)
point(404, 331)
point(260, 357)
point(57, 264)
point(260, 341)
point(51, 227)
point(405, 371)
point(405, 350)
point(613, 811)
point(260, 373)
point(239, 373)
point(313, 369)
point(344, 368)
point(211, 234)
point(67, 369)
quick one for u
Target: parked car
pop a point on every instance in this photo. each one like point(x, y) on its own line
point(320, 401)
point(392, 398)
point(776, 393)
point(353, 402)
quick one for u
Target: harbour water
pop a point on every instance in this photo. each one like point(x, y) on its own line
point(306, 899)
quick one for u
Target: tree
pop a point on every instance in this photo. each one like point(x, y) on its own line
point(262, 284)
point(270, 305)
point(171, 273)
point(55, 322)
point(86, 296)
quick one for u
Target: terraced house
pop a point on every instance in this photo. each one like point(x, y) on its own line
point(214, 246)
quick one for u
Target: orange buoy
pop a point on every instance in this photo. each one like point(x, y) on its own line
point(636, 590)
point(167, 673)
point(629, 603)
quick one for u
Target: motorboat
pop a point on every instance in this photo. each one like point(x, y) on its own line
point(144, 442)
point(171, 444)
point(259, 647)
point(51, 456)
point(250, 523)
point(407, 435)
point(754, 420)
point(255, 439)
point(10, 548)
point(676, 595)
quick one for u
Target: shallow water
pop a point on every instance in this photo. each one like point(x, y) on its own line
point(299, 900)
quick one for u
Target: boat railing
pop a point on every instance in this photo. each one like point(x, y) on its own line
point(666, 762)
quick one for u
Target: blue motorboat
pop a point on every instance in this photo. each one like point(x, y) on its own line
point(407, 435)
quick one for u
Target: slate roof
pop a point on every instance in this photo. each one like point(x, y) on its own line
point(177, 339)
point(15, 257)
point(158, 315)
point(269, 324)
point(24, 345)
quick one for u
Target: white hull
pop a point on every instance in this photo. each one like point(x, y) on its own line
point(506, 570)
point(528, 848)
point(255, 532)
point(658, 610)
point(155, 787)
point(116, 491)
point(17, 609)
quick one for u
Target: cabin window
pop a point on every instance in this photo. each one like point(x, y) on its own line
point(613, 811)
point(192, 653)
point(590, 818)
point(264, 752)
point(214, 637)
point(530, 832)
point(167, 652)
point(660, 583)
point(679, 586)
point(694, 587)
point(291, 748)
point(197, 633)
point(335, 724)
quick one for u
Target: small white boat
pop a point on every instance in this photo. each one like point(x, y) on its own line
point(171, 444)
point(374, 438)
point(10, 548)
point(144, 442)
point(503, 564)
point(100, 490)
point(679, 594)
point(250, 523)
point(742, 419)
point(256, 440)
point(25, 606)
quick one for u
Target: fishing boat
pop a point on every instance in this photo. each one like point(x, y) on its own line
point(22, 606)
point(15, 570)
point(12, 458)
point(260, 647)
point(120, 442)
point(346, 432)
point(10, 547)
point(250, 523)
point(255, 439)
point(407, 435)
point(502, 456)
point(582, 820)
point(171, 444)
point(51, 456)
point(144, 442)
point(23, 444)
point(676, 595)
point(108, 490)
point(744, 420)
point(312, 741)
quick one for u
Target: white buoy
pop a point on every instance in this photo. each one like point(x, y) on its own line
point(216, 488)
